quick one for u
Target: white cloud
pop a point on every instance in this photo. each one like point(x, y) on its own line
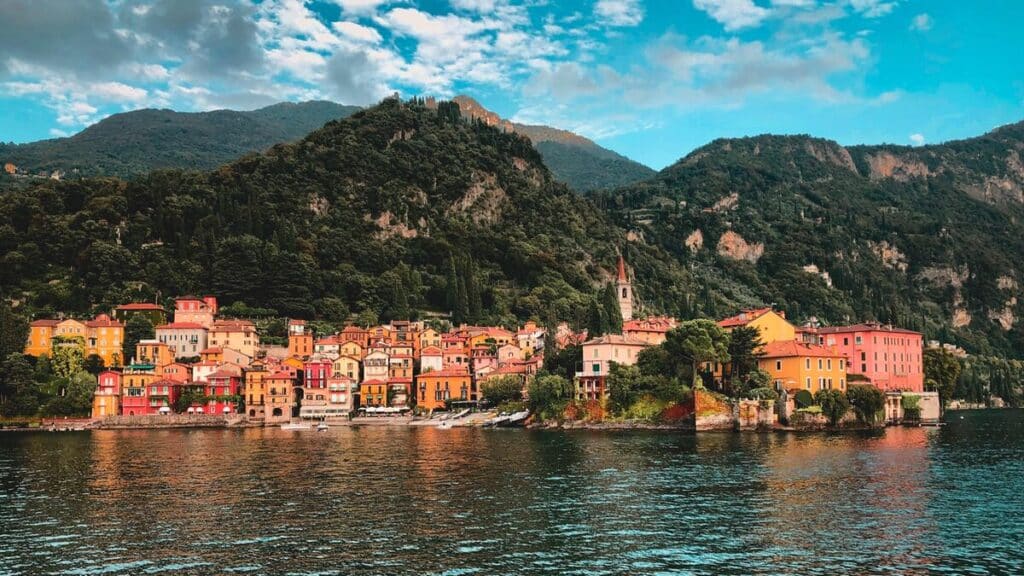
point(360, 6)
point(733, 14)
point(481, 6)
point(58, 133)
point(873, 8)
point(117, 92)
point(358, 32)
point(917, 139)
point(921, 23)
point(619, 12)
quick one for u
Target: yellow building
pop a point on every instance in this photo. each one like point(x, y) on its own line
point(101, 336)
point(771, 324)
point(429, 338)
point(238, 335)
point(795, 365)
point(373, 393)
point(352, 349)
point(347, 366)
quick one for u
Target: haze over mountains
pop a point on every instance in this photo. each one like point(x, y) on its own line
point(134, 143)
point(404, 206)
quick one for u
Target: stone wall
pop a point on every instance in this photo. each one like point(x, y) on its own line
point(754, 414)
point(172, 421)
point(711, 412)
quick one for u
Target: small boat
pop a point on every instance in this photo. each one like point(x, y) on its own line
point(462, 414)
point(295, 426)
point(497, 421)
point(322, 426)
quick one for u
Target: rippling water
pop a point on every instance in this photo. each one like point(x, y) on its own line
point(468, 501)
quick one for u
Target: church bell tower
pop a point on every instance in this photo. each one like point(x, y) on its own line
point(624, 291)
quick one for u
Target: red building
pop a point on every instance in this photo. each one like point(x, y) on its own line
point(890, 357)
point(221, 387)
point(316, 372)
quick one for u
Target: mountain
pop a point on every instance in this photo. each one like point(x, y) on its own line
point(930, 238)
point(573, 159)
point(394, 209)
point(134, 143)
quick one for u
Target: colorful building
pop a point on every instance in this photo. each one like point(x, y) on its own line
point(185, 339)
point(652, 330)
point(435, 389)
point(373, 392)
point(347, 366)
point(890, 357)
point(102, 336)
point(772, 325)
point(598, 355)
point(316, 372)
point(300, 339)
point(135, 381)
point(153, 352)
point(222, 389)
point(192, 310)
point(107, 399)
point(238, 335)
point(329, 345)
point(278, 400)
point(431, 358)
point(40, 335)
point(795, 365)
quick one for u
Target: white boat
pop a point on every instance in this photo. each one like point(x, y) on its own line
point(322, 426)
point(296, 426)
point(497, 421)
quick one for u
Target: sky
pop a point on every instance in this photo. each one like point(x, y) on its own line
point(651, 79)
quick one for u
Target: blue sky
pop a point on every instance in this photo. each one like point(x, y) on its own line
point(650, 79)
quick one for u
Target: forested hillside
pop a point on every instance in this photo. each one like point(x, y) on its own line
point(134, 143)
point(930, 238)
point(393, 210)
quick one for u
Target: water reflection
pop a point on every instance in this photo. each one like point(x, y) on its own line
point(420, 501)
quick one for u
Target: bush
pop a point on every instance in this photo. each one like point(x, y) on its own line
point(502, 389)
point(803, 399)
point(866, 400)
point(911, 407)
point(834, 404)
point(763, 394)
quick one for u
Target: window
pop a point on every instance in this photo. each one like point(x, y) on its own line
point(842, 384)
point(819, 363)
point(597, 368)
point(778, 365)
point(841, 363)
point(858, 340)
point(808, 382)
point(807, 363)
point(846, 341)
point(829, 362)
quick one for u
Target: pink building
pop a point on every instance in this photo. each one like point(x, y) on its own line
point(192, 310)
point(890, 357)
point(598, 355)
point(107, 400)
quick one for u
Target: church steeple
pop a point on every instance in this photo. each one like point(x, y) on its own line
point(624, 291)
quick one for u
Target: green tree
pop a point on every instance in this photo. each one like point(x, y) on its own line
point(19, 394)
point(622, 385)
point(367, 318)
point(941, 372)
point(94, 364)
point(332, 310)
point(610, 305)
point(73, 396)
point(655, 361)
point(68, 356)
point(834, 404)
point(13, 330)
point(549, 394)
point(503, 389)
point(596, 322)
point(138, 328)
point(698, 342)
point(866, 400)
point(745, 349)
point(564, 362)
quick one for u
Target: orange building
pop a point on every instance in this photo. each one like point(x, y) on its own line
point(651, 330)
point(300, 339)
point(434, 388)
point(238, 335)
point(153, 352)
point(373, 393)
point(101, 336)
point(795, 365)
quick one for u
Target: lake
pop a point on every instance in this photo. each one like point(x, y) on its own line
point(394, 500)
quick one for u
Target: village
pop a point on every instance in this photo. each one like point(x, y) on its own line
point(201, 363)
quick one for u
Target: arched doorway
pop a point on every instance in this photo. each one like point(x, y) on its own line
point(252, 413)
point(277, 412)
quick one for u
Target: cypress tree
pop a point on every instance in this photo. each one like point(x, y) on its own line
point(612, 313)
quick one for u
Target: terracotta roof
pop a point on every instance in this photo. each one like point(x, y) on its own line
point(430, 351)
point(141, 306)
point(233, 325)
point(50, 323)
point(864, 327)
point(445, 373)
point(374, 381)
point(280, 376)
point(353, 329)
point(328, 340)
point(743, 318)
point(621, 276)
point(212, 350)
point(103, 320)
point(180, 326)
point(615, 339)
point(222, 374)
point(399, 380)
point(793, 348)
point(655, 324)
point(294, 322)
